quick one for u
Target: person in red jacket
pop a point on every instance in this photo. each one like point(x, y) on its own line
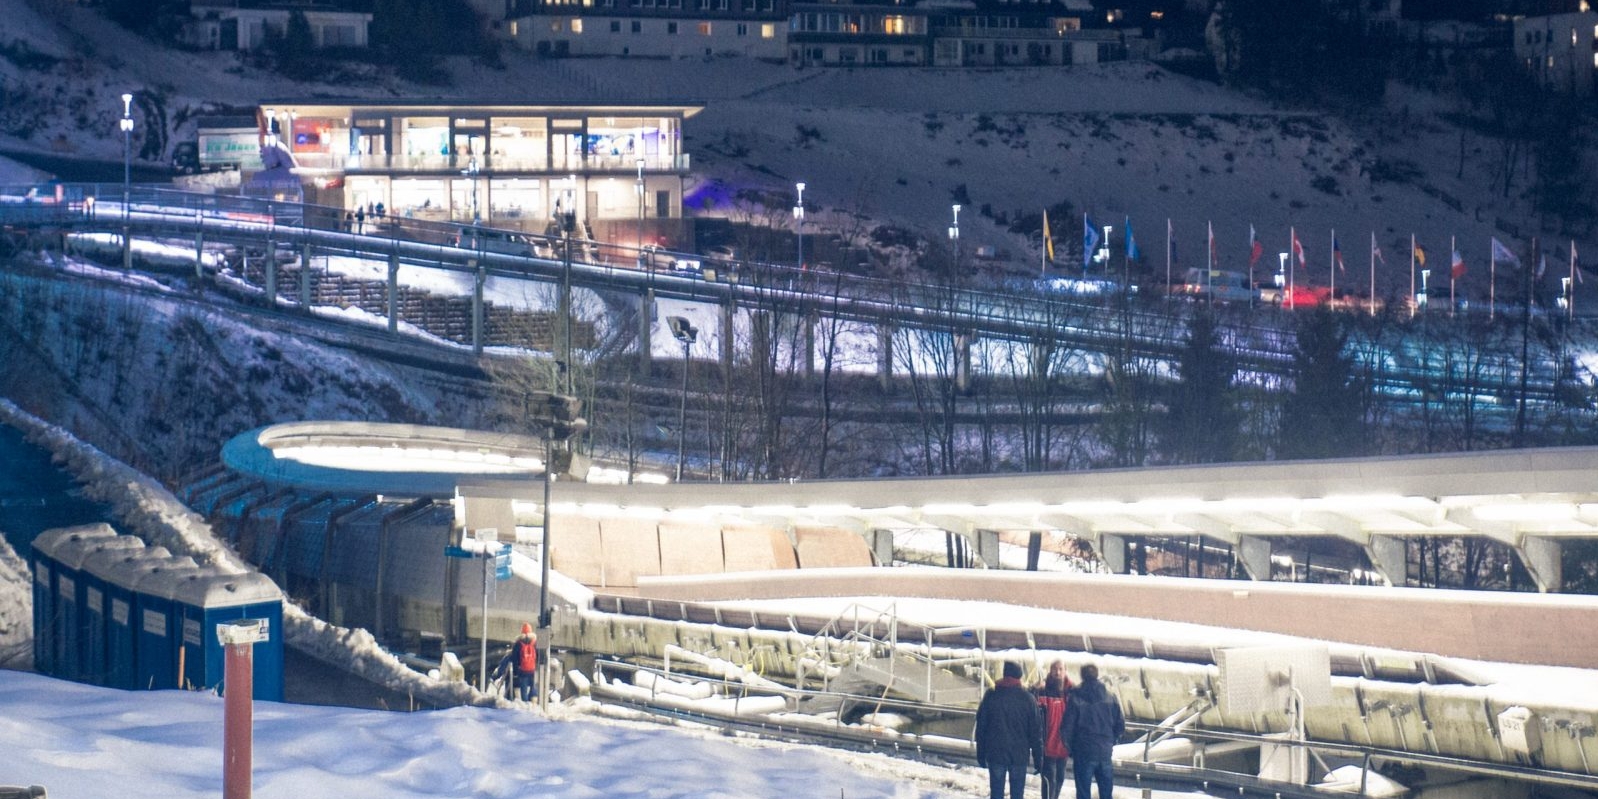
point(1052, 698)
point(522, 659)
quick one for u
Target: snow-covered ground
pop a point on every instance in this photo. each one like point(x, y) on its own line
point(79, 741)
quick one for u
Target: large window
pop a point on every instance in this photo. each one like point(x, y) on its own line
point(515, 200)
point(421, 199)
point(424, 141)
point(519, 143)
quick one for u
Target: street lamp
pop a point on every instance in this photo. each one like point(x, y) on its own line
point(471, 175)
point(640, 212)
point(799, 224)
point(127, 150)
point(683, 331)
point(561, 422)
point(954, 236)
point(568, 223)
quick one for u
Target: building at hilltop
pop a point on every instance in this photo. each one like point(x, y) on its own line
point(951, 33)
point(619, 168)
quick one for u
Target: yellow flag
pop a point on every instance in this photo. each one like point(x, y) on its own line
point(1048, 239)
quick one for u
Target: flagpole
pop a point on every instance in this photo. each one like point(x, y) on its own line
point(1333, 263)
point(1492, 281)
point(1167, 256)
point(1453, 255)
point(1412, 298)
point(1292, 264)
point(1209, 258)
point(1570, 288)
point(1043, 252)
point(1373, 273)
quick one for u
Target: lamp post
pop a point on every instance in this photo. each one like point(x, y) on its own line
point(568, 222)
point(799, 224)
point(683, 331)
point(471, 175)
point(954, 235)
point(127, 150)
point(562, 423)
point(640, 190)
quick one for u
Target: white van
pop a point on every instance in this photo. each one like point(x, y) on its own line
point(1218, 284)
point(508, 242)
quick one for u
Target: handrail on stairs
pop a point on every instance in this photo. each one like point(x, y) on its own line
point(863, 630)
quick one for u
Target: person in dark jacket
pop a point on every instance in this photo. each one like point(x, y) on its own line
point(1091, 727)
point(522, 660)
point(1051, 705)
point(1008, 734)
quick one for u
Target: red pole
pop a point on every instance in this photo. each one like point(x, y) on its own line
point(238, 688)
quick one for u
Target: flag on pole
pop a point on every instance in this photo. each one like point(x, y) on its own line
point(1337, 255)
point(1298, 249)
point(1502, 254)
point(1132, 253)
point(1255, 249)
point(1170, 240)
point(1575, 262)
point(1048, 239)
point(1456, 269)
point(1090, 240)
point(1215, 255)
point(1420, 255)
point(1376, 251)
point(1542, 266)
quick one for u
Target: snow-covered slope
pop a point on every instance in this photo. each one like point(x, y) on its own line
point(898, 146)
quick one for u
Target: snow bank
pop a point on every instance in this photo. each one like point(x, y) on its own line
point(146, 509)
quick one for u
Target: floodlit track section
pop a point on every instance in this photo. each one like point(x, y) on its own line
point(1021, 315)
point(1450, 730)
point(380, 563)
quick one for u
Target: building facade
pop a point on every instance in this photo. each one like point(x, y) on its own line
point(620, 168)
point(1560, 50)
point(643, 28)
point(239, 25)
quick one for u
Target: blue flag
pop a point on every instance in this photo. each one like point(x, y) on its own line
point(1090, 240)
point(1131, 243)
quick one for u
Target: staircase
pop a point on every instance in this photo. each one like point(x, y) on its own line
point(865, 644)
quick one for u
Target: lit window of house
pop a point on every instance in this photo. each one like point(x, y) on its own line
point(769, 31)
point(704, 29)
point(577, 26)
point(894, 25)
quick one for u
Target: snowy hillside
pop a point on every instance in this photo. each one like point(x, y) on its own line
point(893, 146)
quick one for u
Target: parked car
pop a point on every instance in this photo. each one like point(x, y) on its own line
point(655, 257)
point(495, 240)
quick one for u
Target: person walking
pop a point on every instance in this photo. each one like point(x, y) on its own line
point(1052, 700)
point(521, 660)
point(1008, 735)
point(1091, 726)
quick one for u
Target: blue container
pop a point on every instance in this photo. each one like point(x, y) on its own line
point(99, 578)
point(46, 609)
point(160, 661)
point(68, 630)
point(205, 600)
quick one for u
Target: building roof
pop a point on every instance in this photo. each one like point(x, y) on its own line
point(687, 108)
